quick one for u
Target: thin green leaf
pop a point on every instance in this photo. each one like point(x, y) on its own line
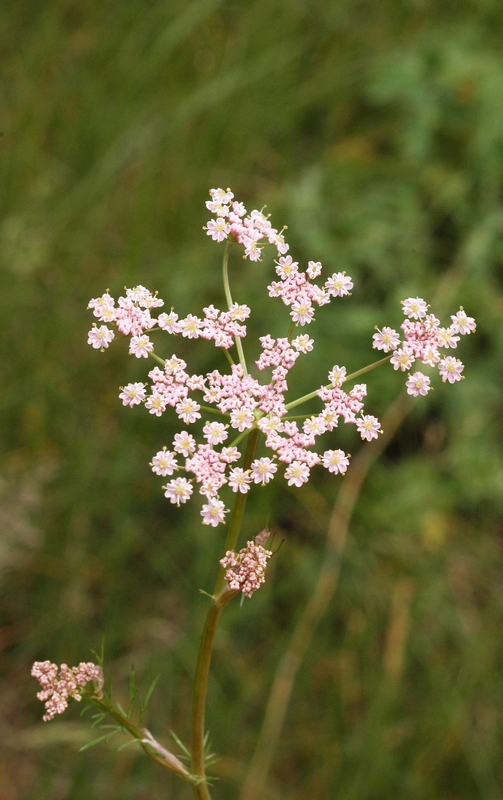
point(275, 552)
point(144, 703)
point(108, 695)
point(151, 689)
point(127, 744)
point(121, 709)
point(180, 744)
point(98, 718)
point(100, 657)
point(95, 741)
point(132, 692)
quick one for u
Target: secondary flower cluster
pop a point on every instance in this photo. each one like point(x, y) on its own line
point(248, 230)
point(242, 400)
point(132, 317)
point(423, 337)
point(245, 571)
point(297, 290)
point(57, 688)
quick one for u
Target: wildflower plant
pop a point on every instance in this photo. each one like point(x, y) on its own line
point(226, 413)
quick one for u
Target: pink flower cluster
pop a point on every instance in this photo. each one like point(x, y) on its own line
point(58, 688)
point(246, 569)
point(222, 327)
point(423, 337)
point(248, 230)
point(132, 318)
point(245, 403)
point(242, 400)
point(299, 293)
point(295, 287)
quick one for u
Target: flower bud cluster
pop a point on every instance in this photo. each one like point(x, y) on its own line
point(58, 688)
point(245, 571)
point(423, 337)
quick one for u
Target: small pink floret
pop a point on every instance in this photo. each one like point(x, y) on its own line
point(213, 513)
point(100, 338)
point(140, 346)
point(297, 473)
point(178, 490)
point(450, 369)
point(164, 463)
point(402, 359)
point(339, 284)
point(386, 339)
point(463, 324)
point(335, 461)
point(239, 480)
point(415, 307)
point(368, 427)
point(184, 443)
point(218, 229)
point(418, 384)
point(262, 470)
point(133, 394)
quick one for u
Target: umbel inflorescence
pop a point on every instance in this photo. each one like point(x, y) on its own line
point(208, 458)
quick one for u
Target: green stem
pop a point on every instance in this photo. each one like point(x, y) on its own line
point(159, 360)
point(228, 356)
point(241, 436)
point(355, 375)
point(238, 511)
point(228, 297)
point(351, 377)
point(204, 656)
point(211, 410)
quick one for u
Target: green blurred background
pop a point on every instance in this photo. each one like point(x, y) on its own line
point(374, 130)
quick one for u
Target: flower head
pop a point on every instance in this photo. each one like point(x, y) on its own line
point(423, 340)
point(59, 684)
point(245, 571)
point(243, 402)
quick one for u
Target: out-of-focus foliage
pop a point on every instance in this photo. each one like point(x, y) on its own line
point(375, 131)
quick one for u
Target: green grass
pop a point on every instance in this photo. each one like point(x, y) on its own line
point(375, 131)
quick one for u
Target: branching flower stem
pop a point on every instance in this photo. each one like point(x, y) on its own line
point(219, 599)
point(212, 410)
point(351, 377)
point(157, 358)
point(228, 297)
